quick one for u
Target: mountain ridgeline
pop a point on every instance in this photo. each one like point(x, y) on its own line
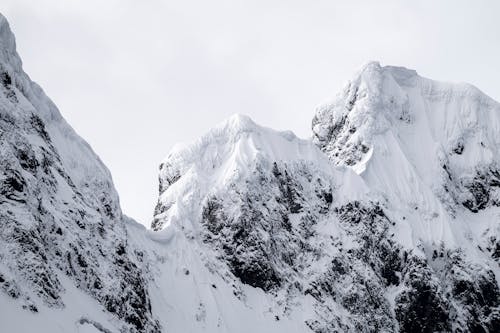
point(386, 220)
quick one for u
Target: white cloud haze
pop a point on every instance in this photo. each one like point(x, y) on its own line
point(135, 77)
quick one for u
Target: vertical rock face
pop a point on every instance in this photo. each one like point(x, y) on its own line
point(60, 218)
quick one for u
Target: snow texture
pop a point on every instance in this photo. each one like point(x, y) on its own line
point(385, 221)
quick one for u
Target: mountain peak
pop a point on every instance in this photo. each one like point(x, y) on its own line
point(381, 98)
point(229, 137)
point(240, 122)
point(229, 152)
point(268, 210)
point(373, 70)
point(10, 61)
point(421, 143)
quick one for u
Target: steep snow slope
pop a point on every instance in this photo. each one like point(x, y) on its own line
point(430, 148)
point(62, 233)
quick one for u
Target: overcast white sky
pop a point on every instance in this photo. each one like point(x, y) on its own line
point(134, 77)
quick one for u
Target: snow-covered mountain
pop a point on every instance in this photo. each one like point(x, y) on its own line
point(328, 248)
point(386, 221)
point(427, 147)
point(65, 259)
point(430, 151)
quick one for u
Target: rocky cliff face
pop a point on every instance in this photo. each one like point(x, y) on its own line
point(59, 212)
point(387, 221)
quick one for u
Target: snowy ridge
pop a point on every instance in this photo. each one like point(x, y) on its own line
point(229, 153)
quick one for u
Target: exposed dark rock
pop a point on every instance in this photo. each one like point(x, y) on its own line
point(421, 307)
point(260, 241)
point(39, 127)
point(459, 148)
point(44, 232)
point(6, 79)
point(481, 188)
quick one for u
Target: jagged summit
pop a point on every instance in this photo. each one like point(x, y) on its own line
point(230, 152)
point(428, 147)
point(425, 119)
point(239, 135)
point(239, 123)
point(236, 128)
point(8, 53)
point(372, 69)
point(75, 153)
point(380, 98)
